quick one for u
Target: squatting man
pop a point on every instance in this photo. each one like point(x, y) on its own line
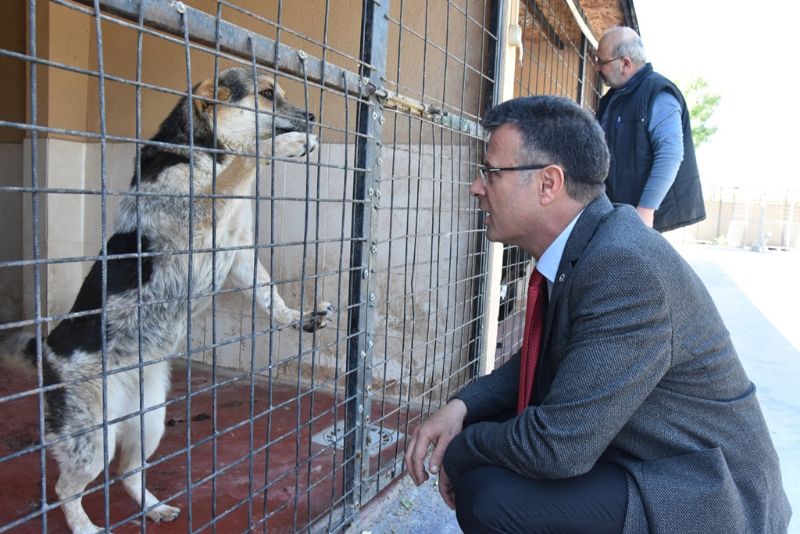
point(635, 414)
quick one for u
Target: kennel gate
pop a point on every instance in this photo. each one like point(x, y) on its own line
point(386, 231)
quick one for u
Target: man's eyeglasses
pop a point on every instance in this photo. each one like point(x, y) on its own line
point(488, 173)
point(600, 63)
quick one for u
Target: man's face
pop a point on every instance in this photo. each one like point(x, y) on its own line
point(609, 67)
point(507, 196)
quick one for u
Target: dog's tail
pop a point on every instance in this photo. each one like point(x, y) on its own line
point(18, 351)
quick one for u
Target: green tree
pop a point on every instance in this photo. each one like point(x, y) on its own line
point(702, 104)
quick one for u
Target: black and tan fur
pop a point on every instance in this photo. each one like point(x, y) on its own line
point(72, 351)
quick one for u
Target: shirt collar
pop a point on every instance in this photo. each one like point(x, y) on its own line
point(550, 260)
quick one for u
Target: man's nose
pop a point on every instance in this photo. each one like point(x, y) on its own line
point(476, 188)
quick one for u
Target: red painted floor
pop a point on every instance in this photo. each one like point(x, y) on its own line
point(304, 480)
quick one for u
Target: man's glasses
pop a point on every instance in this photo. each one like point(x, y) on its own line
point(600, 63)
point(489, 173)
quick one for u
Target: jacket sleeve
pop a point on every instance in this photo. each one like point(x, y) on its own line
point(492, 394)
point(617, 348)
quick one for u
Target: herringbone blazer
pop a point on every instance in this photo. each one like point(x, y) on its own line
point(636, 368)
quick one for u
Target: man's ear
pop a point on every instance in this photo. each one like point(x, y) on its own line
point(204, 95)
point(551, 183)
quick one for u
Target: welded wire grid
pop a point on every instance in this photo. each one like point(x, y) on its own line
point(208, 458)
point(429, 248)
point(378, 221)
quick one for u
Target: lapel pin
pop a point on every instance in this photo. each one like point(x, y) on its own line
point(561, 278)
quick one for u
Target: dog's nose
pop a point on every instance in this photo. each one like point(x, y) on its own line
point(311, 117)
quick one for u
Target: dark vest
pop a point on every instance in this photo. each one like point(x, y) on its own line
point(626, 129)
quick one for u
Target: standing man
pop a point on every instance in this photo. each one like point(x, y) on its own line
point(646, 122)
point(635, 414)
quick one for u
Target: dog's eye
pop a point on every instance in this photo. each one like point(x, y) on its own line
point(267, 93)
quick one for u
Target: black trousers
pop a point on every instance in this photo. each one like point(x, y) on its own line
point(494, 499)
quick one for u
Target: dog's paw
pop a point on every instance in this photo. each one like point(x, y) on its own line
point(164, 513)
point(319, 318)
point(294, 144)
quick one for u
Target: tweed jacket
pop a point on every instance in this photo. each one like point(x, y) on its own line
point(638, 369)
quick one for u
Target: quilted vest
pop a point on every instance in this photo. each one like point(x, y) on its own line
point(626, 129)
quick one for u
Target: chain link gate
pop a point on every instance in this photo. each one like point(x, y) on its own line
point(269, 428)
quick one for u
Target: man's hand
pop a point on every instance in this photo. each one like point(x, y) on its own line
point(646, 215)
point(446, 490)
point(438, 430)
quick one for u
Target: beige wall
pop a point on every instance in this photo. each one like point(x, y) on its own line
point(742, 218)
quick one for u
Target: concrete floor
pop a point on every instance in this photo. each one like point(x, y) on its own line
point(758, 295)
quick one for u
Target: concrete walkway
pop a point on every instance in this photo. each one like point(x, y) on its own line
point(758, 295)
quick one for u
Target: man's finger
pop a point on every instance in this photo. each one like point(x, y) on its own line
point(409, 447)
point(415, 465)
point(435, 463)
point(410, 466)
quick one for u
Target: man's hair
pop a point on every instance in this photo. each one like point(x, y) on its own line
point(632, 47)
point(555, 130)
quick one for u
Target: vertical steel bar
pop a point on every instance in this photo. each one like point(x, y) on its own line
point(253, 295)
point(345, 173)
point(214, 353)
point(398, 76)
point(139, 301)
point(190, 278)
point(374, 39)
point(104, 261)
point(302, 305)
point(271, 335)
point(37, 273)
point(303, 274)
point(439, 216)
point(320, 122)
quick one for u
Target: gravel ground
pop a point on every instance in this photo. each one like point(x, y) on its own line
point(406, 509)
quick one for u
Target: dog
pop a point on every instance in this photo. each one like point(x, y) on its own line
point(154, 241)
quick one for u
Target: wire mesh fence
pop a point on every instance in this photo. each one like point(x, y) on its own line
point(226, 157)
point(203, 235)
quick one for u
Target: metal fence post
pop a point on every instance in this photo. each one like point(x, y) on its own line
point(361, 316)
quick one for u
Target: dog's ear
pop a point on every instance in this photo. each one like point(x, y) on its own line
point(204, 93)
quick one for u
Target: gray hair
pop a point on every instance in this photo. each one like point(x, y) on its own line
point(632, 47)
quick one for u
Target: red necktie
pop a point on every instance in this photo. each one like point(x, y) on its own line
point(532, 337)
